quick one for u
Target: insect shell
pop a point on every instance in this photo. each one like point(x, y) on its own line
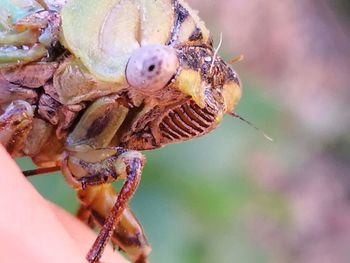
point(85, 85)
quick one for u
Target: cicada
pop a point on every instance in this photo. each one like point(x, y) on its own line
point(86, 85)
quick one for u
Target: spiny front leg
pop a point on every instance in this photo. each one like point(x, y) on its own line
point(133, 171)
point(96, 203)
point(89, 163)
point(87, 170)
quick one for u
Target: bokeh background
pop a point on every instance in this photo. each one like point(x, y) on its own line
point(233, 196)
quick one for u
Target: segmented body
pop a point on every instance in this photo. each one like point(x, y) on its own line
point(174, 118)
point(54, 110)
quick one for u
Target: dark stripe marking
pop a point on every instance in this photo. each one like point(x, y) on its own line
point(195, 117)
point(187, 119)
point(168, 121)
point(165, 128)
point(181, 124)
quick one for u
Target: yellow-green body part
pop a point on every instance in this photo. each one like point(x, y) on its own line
point(85, 85)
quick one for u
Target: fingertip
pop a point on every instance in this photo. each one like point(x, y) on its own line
point(27, 224)
point(33, 230)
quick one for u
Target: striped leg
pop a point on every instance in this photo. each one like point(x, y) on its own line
point(128, 234)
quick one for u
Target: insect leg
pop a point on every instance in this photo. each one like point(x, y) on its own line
point(89, 164)
point(15, 125)
point(133, 169)
point(128, 234)
point(91, 171)
point(40, 171)
point(96, 167)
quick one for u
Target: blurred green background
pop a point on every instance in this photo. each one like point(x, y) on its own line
point(233, 196)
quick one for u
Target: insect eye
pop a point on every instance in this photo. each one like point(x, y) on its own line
point(151, 67)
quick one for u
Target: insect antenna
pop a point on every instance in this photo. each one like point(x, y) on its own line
point(40, 171)
point(235, 115)
point(216, 53)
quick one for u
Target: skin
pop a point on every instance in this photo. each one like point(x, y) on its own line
point(36, 230)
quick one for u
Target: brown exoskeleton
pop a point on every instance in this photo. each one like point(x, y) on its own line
point(85, 86)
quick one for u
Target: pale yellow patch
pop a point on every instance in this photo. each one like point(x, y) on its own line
point(232, 93)
point(189, 82)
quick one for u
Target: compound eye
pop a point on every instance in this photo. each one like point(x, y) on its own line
point(151, 67)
